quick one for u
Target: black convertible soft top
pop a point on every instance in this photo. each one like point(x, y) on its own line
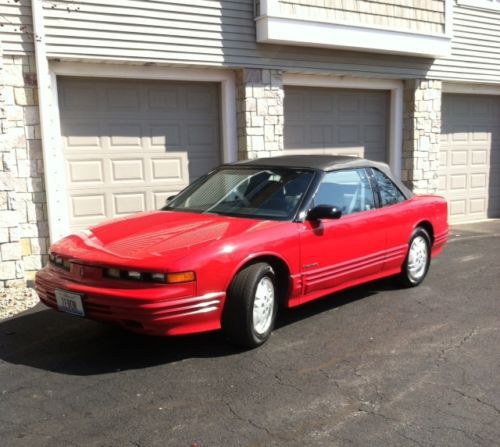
point(325, 163)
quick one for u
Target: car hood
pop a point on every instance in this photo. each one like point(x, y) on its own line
point(142, 239)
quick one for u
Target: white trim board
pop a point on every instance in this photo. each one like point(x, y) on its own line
point(53, 152)
point(396, 104)
point(478, 89)
point(293, 31)
point(54, 174)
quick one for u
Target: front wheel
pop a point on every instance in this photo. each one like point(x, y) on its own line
point(251, 306)
point(417, 260)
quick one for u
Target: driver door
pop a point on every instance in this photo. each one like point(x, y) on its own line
point(338, 251)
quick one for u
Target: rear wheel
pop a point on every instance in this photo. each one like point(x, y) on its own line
point(417, 260)
point(251, 306)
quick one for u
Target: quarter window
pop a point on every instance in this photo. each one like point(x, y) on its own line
point(389, 192)
point(349, 190)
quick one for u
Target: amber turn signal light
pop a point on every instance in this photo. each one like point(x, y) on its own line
point(175, 278)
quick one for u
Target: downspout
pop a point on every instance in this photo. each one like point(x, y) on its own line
point(50, 129)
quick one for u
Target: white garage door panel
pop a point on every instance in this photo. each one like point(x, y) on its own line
point(336, 121)
point(128, 145)
point(470, 156)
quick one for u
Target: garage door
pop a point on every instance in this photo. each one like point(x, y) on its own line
point(470, 156)
point(336, 121)
point(130, 144)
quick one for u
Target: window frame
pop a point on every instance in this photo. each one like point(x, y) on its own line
point(375, 186)
point(306, 197)
point(376, 201)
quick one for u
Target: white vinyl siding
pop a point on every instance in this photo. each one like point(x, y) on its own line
point(475, 47)
point(133, 29)
point(199, 32)
point(16, 30)
point(222, 33)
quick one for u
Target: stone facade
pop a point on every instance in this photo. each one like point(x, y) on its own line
point(421, 134)
point(260, 113)
point(23, 209)
point(11, 269)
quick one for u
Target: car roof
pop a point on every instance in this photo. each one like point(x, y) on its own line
point(324, 163)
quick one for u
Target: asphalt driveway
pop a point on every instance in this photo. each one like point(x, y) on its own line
point(374, 366)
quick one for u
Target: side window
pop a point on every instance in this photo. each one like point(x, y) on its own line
point(389, 192)
point(349, 190)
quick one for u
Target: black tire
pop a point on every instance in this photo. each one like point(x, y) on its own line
point(238, 315)
point(408, 277)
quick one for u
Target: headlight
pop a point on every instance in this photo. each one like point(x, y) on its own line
point(158, 277)
point(59, 261)
point(113, 273)
point(134, 275)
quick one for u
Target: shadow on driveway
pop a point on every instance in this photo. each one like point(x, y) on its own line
point(48, 340)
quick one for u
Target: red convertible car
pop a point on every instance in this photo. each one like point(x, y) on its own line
point(244, 239)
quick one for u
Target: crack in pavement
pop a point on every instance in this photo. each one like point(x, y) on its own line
point(279, 379)
point(477, 399)
point(463, 340)
point(253, 423)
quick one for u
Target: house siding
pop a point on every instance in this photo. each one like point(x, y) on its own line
point(475, 54)
point(200, 33)
point(427, 16)
point(222, 33)
point(16, 30)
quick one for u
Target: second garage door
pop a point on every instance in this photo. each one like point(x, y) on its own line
point(130, 144)
point(336, 121)
point(470, 156)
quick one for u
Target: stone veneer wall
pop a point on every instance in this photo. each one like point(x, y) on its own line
point(260, 113)
point(23, 211)
point(11, 268)
point(421, 134)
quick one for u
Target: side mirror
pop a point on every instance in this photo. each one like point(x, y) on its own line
point(324, 212)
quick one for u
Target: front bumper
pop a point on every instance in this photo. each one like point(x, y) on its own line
point(155, 309)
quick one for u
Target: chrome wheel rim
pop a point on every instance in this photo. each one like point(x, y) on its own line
point(263, 306)
point(417, 258)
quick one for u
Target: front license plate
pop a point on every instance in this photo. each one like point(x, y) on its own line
point(69, 302)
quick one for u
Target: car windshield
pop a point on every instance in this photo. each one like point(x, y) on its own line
point(264, 193)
